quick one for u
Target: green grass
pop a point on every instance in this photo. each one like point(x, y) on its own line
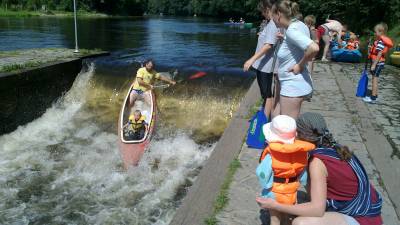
point(32, 64)
point(17, 67)
point(21, 13)
point(27, 13)
point(222, 198)
point(254, 108)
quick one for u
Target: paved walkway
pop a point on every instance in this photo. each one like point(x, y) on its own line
point(344, 122)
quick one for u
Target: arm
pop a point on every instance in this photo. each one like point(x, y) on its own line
point(375, 62)
point(166, 79)
point(315, 208)
point(310, 53)
point(257, 55)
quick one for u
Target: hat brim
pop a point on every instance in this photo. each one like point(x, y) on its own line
point(270, 136)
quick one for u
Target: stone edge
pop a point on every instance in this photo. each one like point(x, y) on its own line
point(198, 203)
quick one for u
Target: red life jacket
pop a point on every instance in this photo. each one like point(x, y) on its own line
point(374, 52)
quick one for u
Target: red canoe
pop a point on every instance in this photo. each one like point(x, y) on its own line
point(132, 150)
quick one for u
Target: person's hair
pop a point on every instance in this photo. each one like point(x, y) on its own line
point(288, 8)
point(137, 112)
point(311, 127)
point(382, 27)
point(265, 4)
point(147, 61)
point(310, 20)
point(353, 36)
point(344, 152)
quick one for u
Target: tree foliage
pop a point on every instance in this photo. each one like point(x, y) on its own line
point(358, 14)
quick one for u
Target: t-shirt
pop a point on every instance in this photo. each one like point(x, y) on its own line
point(380, 46)
point(267, 36)
point(296, 41)
point(148, 78)
point(336, 26)
point(342, 185)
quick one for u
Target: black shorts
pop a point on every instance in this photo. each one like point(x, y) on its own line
point(264, 81)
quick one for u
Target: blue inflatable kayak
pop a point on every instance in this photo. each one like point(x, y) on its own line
point(344, 55)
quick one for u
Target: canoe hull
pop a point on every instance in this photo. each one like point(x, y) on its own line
point(132, 151)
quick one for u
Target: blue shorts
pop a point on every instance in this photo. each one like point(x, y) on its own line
point(378, 70)
point(139, 92)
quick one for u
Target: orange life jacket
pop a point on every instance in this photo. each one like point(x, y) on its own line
point(373, 54)
point(288, 162)
point(352, 45)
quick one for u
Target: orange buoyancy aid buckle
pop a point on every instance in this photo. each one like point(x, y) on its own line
point(282, 180)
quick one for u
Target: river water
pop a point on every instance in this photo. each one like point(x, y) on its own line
point(64, 167)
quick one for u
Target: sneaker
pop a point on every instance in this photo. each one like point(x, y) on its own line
point(368, 99)
point(324, 60)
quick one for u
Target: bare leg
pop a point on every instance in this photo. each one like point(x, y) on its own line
point(329, 218)
point(276, 104)
point(132, 98)
point(374, 86)
point(268, 107)
point(290, 106)
point(147, 98)
point(275, 217)
point(327, 42)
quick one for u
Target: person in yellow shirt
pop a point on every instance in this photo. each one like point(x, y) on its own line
point(145, 77)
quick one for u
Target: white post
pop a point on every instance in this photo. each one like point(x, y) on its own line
point(76, 30)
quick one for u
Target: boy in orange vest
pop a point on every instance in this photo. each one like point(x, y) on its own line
point(377, 53)
point(287, 157)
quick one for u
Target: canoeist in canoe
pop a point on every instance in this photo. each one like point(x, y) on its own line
point(136, 126)
point(145, 77)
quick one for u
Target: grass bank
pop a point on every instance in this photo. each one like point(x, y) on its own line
point(27, 13)
point(12, 61)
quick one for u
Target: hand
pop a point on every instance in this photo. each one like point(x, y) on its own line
point(247, 65)
point(280, 36)
point(173, 82)
point(373, 68)
point(296, 69)
point(266, 203)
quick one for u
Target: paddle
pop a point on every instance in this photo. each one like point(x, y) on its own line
point(363, 82)
point(197, 75)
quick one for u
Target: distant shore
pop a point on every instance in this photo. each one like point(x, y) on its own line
point(40, 13)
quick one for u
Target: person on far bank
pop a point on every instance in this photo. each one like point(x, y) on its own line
point(145, 77)
point(377, 55)
point(262, 60)
point(297, 49)
point(326, 32)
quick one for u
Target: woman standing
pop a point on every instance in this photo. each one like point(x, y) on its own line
point(341, 193)
point(261, 61)
point(296, 51)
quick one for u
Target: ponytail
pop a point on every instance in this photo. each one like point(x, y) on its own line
point(327, 140)
point(289, 9)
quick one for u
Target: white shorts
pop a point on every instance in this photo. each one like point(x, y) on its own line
point(350, 220)
point(295, 88)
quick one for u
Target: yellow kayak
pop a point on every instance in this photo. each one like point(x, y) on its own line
point(395, 57)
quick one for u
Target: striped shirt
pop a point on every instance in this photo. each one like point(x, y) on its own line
point(379, 48)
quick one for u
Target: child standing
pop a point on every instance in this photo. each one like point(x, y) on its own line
point(377, 53)
point(262, 59)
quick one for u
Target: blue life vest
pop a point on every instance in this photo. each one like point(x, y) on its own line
point(361, 204)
